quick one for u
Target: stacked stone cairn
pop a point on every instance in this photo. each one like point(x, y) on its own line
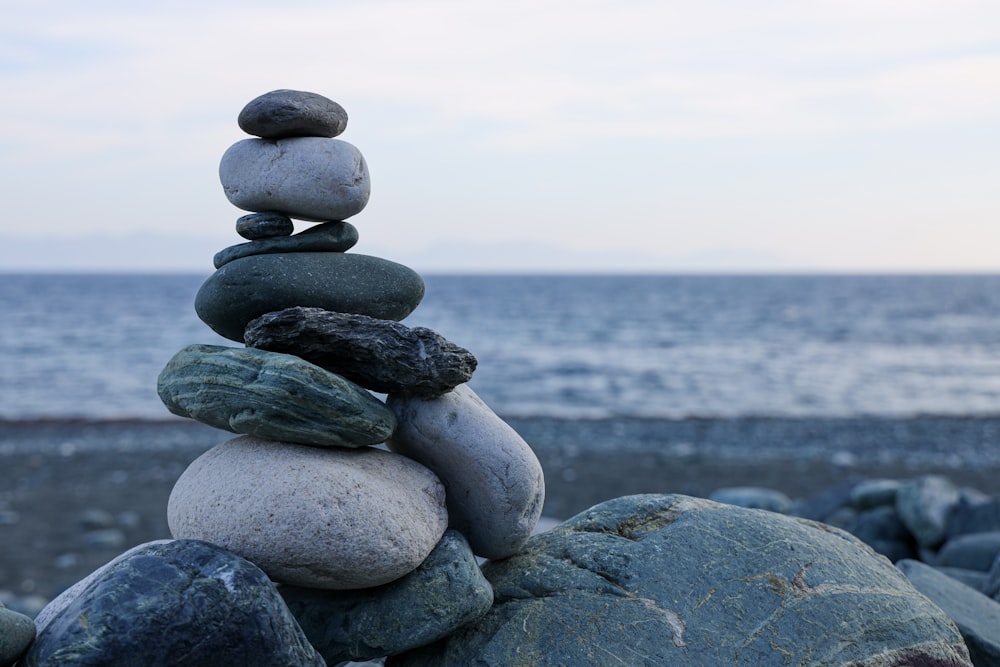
point(305, 541)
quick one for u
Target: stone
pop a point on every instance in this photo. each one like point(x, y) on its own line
point(380, 355)
point(971, 578)
point(176, 603)
point(874, 493)
point(266, 225)
point(923, 504)
point(17, 631)
point(246, 288)
point(309, 516)
point(753, 496)
point(94, 518)
point(325, 237)
point(991, 587)
point(974, 516)
point(972, 551)
point(292, 113)
point(446, 592)
point(977, 616)
point(824, 502)
point(309, 178)
point(494, 481)
point(672, 580)
point(880, 528)
point(271, 395)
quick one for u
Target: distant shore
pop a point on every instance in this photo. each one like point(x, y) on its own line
point(56, 473)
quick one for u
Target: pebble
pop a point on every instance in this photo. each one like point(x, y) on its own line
point(494, 481)
point(104, 538)
point(255, 226)
point(313, 517)
point(753, 497)
point(325, 237)
point(272, 395)
point(446, 592)
point(182, 602)
point(672, 580)
point(380, 355)
point(292, 113)
point(972, 551)
point(17, 631)
point(246, 288)
point(923, 504)
point(95, 518)
point(874, 493)
point(974, 516)
point(309, 178)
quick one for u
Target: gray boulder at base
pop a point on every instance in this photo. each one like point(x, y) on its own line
point(345, 282)
point(494, 481)
point(254, 226)
point(311, 516)
point(292, 113)
point(325, 237)
point(923, 505)
point(271, 395)
point(17, 632)
point(672, 580)
point(309, 178)
point(447, 591)
point(380, 355)
point(977, 616)
point(179, 603)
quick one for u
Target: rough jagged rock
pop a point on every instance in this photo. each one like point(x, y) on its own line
point(446, 592)
point(380, 355)
point(673, 580)
point(292, 113)
point(271, 395)
point(326, 237)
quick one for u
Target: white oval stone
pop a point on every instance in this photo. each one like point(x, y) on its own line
point(309, 178)
point(315, 517)
point(494, 481)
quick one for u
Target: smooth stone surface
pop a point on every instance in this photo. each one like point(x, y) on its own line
point(874, 493)
point(271, 395)
point(319, 518)
point(309, 178)
point(923, 505)
point(672, 580)
point(255, 226)
point(755, 497)
point(17, 631)
point(345, 282)
point(973, 551)
point(292, 113)
point(880, 528)
point(446, 592)
point(991, 587)
point(179, 603)
point(974, 516)
point(971, 578)
point(326, 237)
point(977, 616)
point(494, 481)
point(380, 355)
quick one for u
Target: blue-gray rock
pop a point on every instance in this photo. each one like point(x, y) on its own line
point(446, 592)
point(17, 631)
point(972, 551)
point(880, 528)
point(977, 616)
point(991, 587)
point(316, 517)
point(971, 578)
point(974, 515)
point(309, 178)
point(380, 355)
point(874, 493)
point(671, 580)
point(325, 237)
point(179, 603)
point(820, 505)
point(923, 505)
point(292, 113)
point(265, 225)
point(755, 497)
point(246, 288)
point(494, 481)
point(271, 395)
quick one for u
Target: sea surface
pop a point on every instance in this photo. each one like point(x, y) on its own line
point(564, 347)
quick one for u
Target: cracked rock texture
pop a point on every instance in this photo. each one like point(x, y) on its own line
point(494, 482)
point(380, 355)
point(316, 517)
point(271, 395)
point(673, 580)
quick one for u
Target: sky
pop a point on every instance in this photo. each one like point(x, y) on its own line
point(524, 135)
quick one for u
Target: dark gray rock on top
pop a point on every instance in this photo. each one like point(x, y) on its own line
point(672, 580)
point(292, 113)
point(272, 396)
point(380, 355)
point(246, 288)
point(179, 603)
point(265, 225)
point(325, 237)
point(446, 592)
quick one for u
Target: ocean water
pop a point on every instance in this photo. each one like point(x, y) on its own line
point(565, 346)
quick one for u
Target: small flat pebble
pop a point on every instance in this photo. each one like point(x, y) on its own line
point(292, 113)
point(874, 493)
point(325, 237)
point(255, 226)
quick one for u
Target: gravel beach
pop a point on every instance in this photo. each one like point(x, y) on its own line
point(76, 494)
